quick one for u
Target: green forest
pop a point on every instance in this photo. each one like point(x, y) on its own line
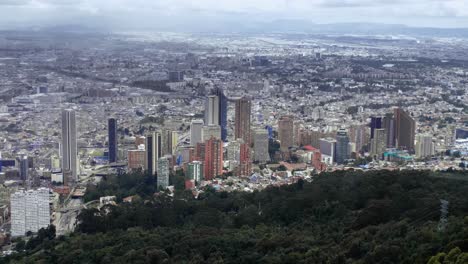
point(339, 217)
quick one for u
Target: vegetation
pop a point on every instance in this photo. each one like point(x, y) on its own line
point(340, 217)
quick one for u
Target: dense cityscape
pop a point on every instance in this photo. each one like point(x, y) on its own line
point(230, 113)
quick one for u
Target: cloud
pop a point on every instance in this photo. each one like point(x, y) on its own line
point(146, 12)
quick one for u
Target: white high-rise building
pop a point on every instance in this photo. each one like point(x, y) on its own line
point(163, 173)
point(211, 131)
point(30, 211)
point(212, 110)
point(424, 146)
point(196, 132)
point(69, 146)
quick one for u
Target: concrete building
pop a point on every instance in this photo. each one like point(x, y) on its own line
point(112, 139)
point(285, 132)
point(379, 143)
point(405, 129)
point(211, 131)
point(260, 140)
point(153, 151)
point(163, 173)
point(30, 211)
point(24, 168)
point(69, 146)
point(137, 158)
point(424, 146)
point(242, 119)
point(195, 171)
point(196, 127)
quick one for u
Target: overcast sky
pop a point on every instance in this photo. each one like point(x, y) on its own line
point(146, 14)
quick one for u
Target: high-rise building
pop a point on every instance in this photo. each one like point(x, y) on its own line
point(69, 146)
point(213, 158)
point(328, 150)
point(170, 139)
point(285, 132)
point(195, 171)
point(112, 134)
point(342, 146)
point(24, 168)
point(200, 151)
point(379, 143)
point(216, 111)
point(376, 123)
point(242, 120)
point(212, 110)
point(30, 211)
point(260, 141)
point(245, 164)
point(196, 132)
point(153, 151)
point(163, 173)
point(233, 150)
point(424, 146)
point(223, 106)
point(211, 131)
point(137, 158)
point(405, 129)
point(389, 125)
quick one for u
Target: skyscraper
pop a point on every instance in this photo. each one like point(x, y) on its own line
point(389, 125)
point(342, 146)
point(379, 143)
point(216, 111)
point(242, 121)
point(211, 131)
point(285, 132)
point(30, 211)
point(376, 123)
point(112, 131)
point(163, 173)
point(153, 151)
point(405, 128)
point(424, 146)
point(24, 168)
point(196, 132)
point(260, 140)
point(69, 146)
point(213, 158)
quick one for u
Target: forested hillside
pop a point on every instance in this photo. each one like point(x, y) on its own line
point(341, 217)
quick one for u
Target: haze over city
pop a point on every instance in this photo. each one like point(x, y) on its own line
point(249, 131)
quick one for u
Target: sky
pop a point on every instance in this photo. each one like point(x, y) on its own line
point(147, 14)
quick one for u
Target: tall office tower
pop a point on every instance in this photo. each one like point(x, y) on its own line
point(153, 151)
point(342, 146)
point(389, 125)
point(212, 110)
point(405, 128)
point(24, 168)
point(213, 158)
point(376, 123)
point(424, 146)
point(195, 171)
point(359, 134)
point(379, 143)
point(163, 173)
point(137, 158)
point(30, 211)
point(196, 127)
point(211, 131)
point(328, 150)
point(260, 141)
point(69, 146)
point(223, 108)
point(285, 132)
point(112, 131)
point(245, 164)
point(242, 121)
